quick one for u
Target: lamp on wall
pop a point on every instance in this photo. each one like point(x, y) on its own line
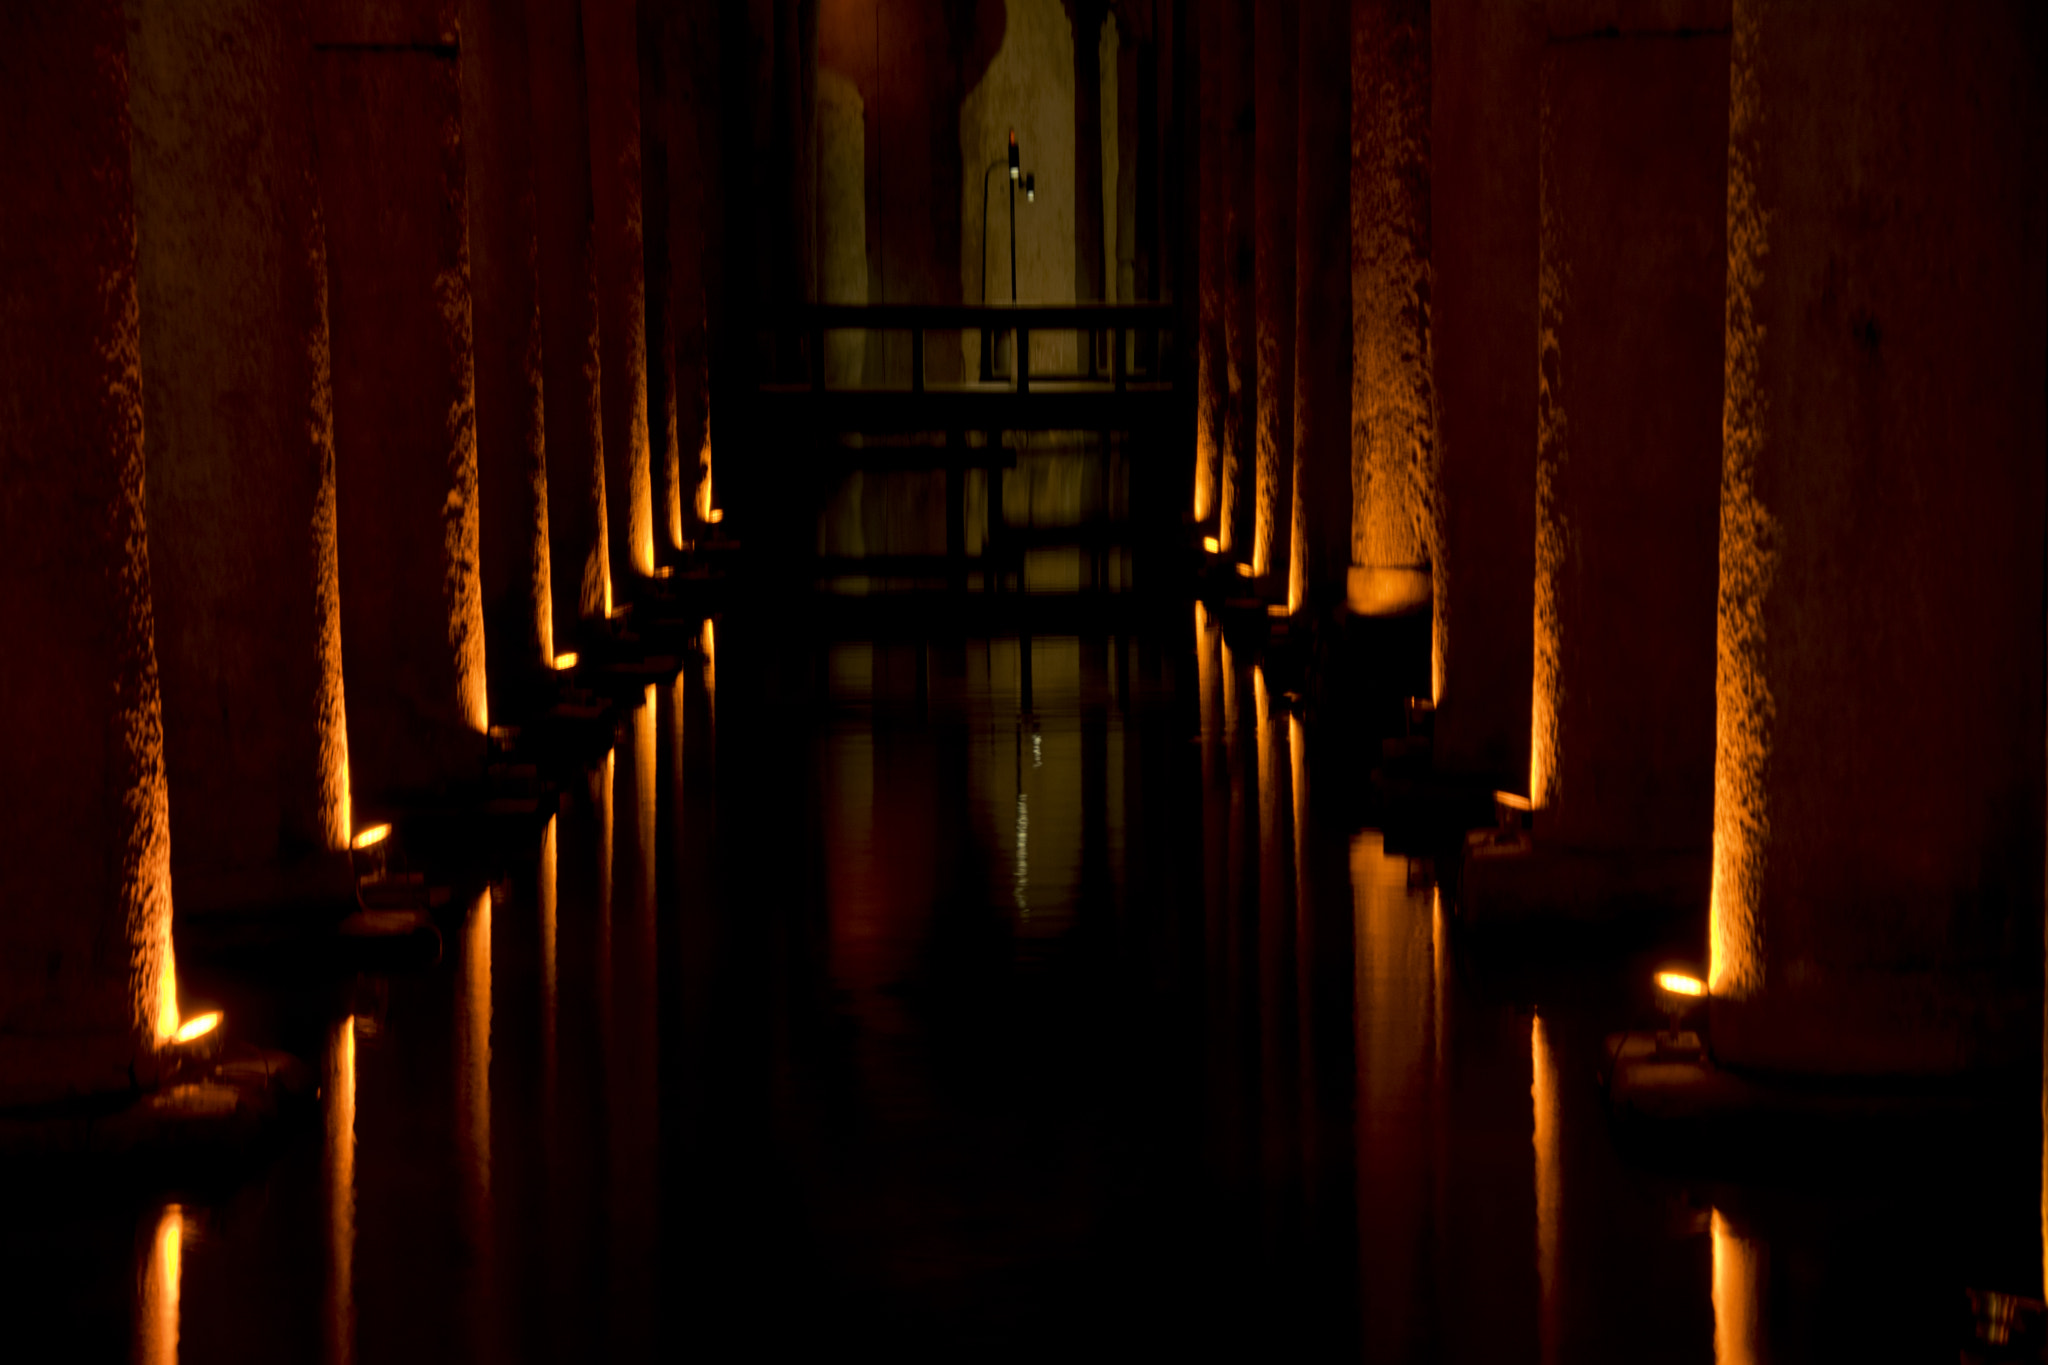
point(1013, 159)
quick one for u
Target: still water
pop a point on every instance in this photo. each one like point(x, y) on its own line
point(991, 999)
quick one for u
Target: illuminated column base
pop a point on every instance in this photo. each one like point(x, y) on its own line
point(1878, 821)
point(232, 283)
point(85, 893)
point(1486, 67)
point(386, 111)
point(1632, 264)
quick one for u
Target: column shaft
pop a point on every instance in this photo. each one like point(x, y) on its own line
point(1633, 170)
point(580, 565)
point(86, 979)
point(612, 61)
point(1235, 491)
point(1278, 41)
point(1878, 787)
point(512, 473)
point(1486, 62)
point(232, 271)
point(1394, 519)
point(1320, 541)
point(387, 120)
point(1211, 383)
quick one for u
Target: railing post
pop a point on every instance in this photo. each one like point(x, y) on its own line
point(1023, 359)
point(917, 360)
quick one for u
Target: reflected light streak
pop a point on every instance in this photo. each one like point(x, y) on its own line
point(547, 961)
point(644, 791)
point(1543, 1097)
point(1205, 683)
point(473, 1095)
point(341, 1193)
point(1738, 1291)
point(157, 1324)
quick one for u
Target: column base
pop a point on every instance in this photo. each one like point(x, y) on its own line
point(1877, 1024)
point(208, 1110)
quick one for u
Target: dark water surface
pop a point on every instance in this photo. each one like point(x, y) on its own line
point(897, 997)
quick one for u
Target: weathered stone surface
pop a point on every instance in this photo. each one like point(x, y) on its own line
point(1320, 541)
point(1486, 61)
point(512, 476)
point(86, 978)
point(1278, 57)
point(387, 124)
point(1878, 799)
point(233, 301)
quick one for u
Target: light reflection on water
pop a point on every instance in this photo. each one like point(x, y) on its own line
point(769, 1055)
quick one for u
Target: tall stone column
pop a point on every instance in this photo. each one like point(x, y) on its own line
point(657, 115)
point(1319, 545)
point(387, 119)
point(87, 985)
point(1486, 62)
point(1395, 512)
point(1235, 480)
point(512, 469)
point(232, 282)
point(1633, 172)
point(1211, 383)
point(564, 230)
point(612, 64)
point(1878, 792)
point(1278, 56)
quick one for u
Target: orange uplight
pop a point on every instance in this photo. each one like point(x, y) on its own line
point(1212, 545)
point(565, 662)
point(1678, 983)
point(1243, 570)
point(371, 837)
point(197, 1027)
point(714, 516)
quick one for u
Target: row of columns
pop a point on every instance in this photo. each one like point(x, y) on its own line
point(324, 323)
point(1691, 370)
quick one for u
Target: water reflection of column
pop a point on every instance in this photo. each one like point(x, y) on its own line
point(1277, 1037)
point(340, 1163)
point(1394, 984)
point(473, 1112)
point(1740, 1265)
point(631, 1073)
point(548, 994)
point(1549, 1198)
point(156, 1322)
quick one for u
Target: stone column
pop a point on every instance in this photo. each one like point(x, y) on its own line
point(232, 282)
point(1878, 792)
point(1633, 173)
point(689, 45)
point(657, 114)
point(580, 565)
point(1319, 545)
point(1486, 70)
point(1210, 382)
point(387, 111)
point(86, 979)
point(612, 64)
point(1395, 512)
point(512, 471)
point(1235, 482)
point(1277, 57)
point(842, 219)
